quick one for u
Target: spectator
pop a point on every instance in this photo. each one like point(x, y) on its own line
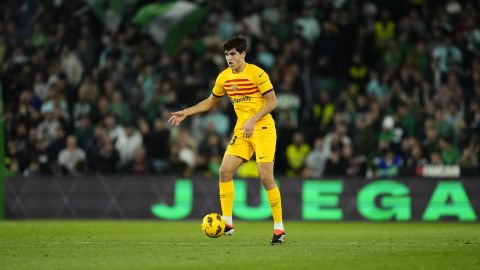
point(265, 57)
point(106, 157)
point(157, 143)
point(470, 156)
point(71, 65)
point(70, 158)
point(385, 29)
point(392, 57)
point(127, 140)
point(101, 110)
point(40, 87)
point(358, 70)
point(187, 156)
point(336, 163)
point(210, 151)
point(120, 109)
point(84, 131)
point(389, 132)
point(323, 111)
point(338, 138)
point(442, 126)
point(407, 121)
point(55, 147)
point(82, 107)
point(419, 58)
point(47, 129)
point(13, 167)
point(13, 157)
point(177, 166)
point(146, 81)
point(111, 127)
point(450, 154)
point(139, 165)
point(88, 89)
point(19, 145)
point(316, 159)
point(435, 158)
point(33, 170)
point(288, 107)
point(308, 25)
point(416, 157)
point(388, 163)
point(447, 54)
point(376, 87)
point(364, 139)
point(297, 152)
point(356, 165)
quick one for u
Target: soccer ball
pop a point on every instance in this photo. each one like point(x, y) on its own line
point(213, 225)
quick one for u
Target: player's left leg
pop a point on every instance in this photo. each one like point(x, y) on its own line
point(265, 170)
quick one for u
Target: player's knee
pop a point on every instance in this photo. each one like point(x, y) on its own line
point(268, 182)
point(265, 172)
point(225, 173)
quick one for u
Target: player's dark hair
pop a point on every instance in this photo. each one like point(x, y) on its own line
point(237, 42)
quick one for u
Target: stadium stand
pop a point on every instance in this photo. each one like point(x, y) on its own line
point(370, 92)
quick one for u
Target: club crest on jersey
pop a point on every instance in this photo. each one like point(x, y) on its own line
point(234, 87)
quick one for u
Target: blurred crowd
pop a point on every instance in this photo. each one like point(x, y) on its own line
point(364, 88)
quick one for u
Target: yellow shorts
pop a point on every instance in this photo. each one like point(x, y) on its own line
point(263, 143)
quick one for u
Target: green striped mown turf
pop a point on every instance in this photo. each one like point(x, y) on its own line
point(181, 245)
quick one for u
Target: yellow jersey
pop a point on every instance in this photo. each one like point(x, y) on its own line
point(245, 90)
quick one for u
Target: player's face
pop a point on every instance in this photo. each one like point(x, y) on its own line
point(234, 58)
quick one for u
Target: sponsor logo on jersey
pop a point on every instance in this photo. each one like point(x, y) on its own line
point(242, 99)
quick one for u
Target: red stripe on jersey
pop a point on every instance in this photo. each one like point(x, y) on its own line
point(247, 93)
point(241, 89)
point(237, 80)
point(240, 84)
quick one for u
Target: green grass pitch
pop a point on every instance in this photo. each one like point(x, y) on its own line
point(181, 245)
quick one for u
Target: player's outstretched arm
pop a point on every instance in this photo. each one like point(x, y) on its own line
point(205, 105)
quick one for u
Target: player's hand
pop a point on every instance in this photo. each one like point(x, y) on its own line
point(177, 118)
point(248, 129)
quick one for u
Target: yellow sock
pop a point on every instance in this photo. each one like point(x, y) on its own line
point(276, 205)
point(226, 200)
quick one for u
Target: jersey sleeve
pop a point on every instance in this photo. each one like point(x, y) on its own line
point(263, 81)
point(218, 89)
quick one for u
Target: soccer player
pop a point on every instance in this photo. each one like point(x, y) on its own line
point(251, 93)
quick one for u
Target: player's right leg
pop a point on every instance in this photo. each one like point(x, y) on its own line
point(228, 168)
